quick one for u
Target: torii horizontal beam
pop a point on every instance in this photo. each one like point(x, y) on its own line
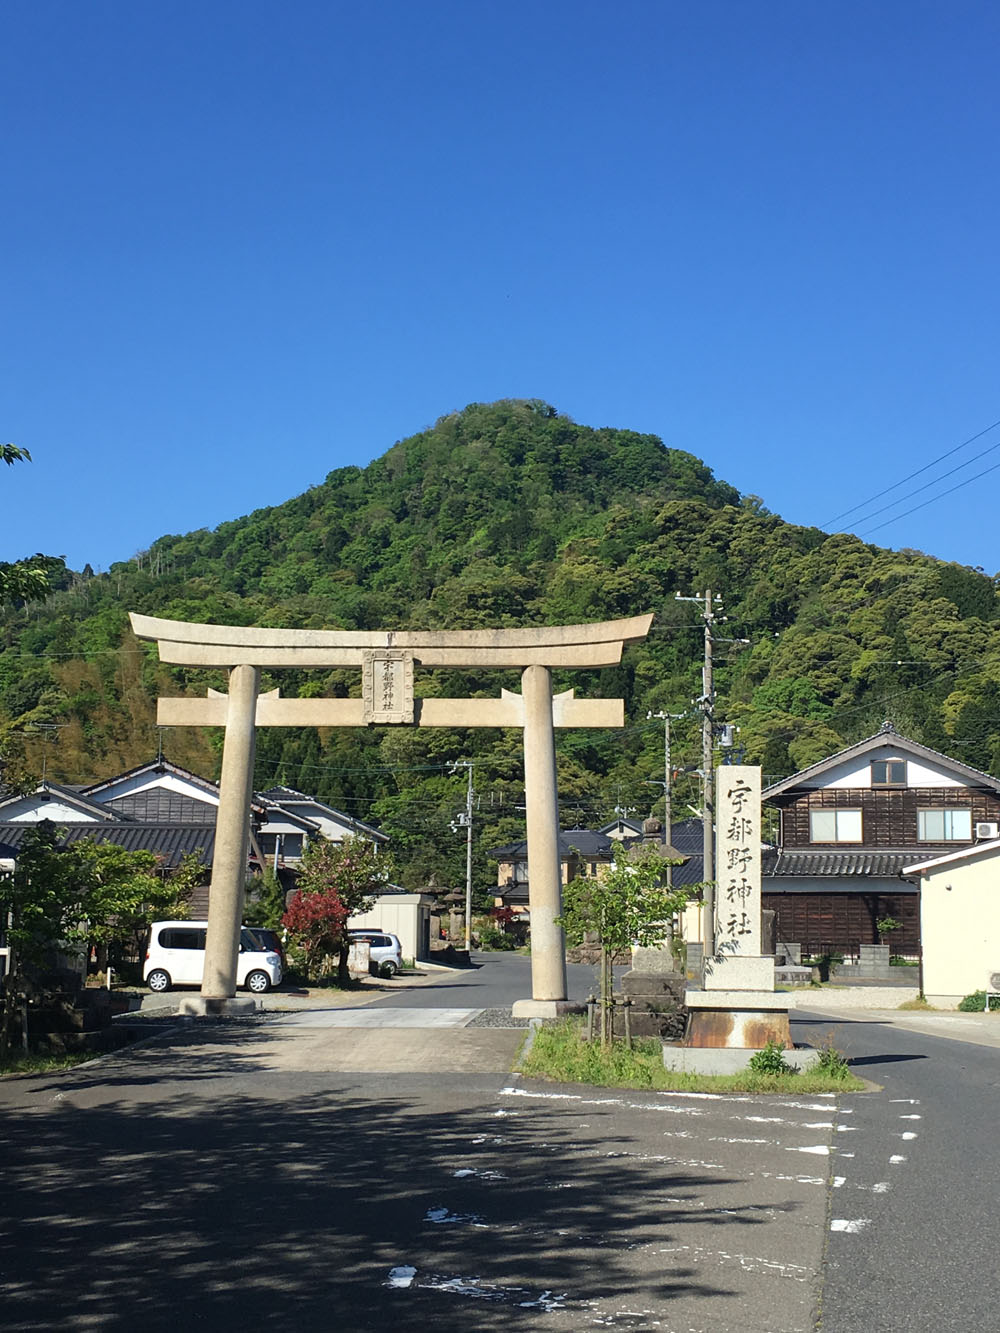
point(184, 643)
point(507, 711)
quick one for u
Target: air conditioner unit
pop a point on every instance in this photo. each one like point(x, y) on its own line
point(987, 830)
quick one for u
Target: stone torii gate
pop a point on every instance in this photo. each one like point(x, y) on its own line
point(387, 659)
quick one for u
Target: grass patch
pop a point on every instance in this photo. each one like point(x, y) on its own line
point(918, 1002)
point(560, 1055)
point(43, 1063)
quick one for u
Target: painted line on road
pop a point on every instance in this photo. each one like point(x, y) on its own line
point(852, 1225)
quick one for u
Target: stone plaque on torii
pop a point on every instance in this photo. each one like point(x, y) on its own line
point(387, 660)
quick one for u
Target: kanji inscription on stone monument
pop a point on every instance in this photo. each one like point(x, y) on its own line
point(738, 833)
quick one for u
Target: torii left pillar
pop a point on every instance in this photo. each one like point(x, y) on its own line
point(232, 829)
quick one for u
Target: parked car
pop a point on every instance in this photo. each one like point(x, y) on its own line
point(384, 951)
point(271, 943)
point(176, 957)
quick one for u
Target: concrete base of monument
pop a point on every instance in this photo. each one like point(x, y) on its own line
point(737, 1019)
point(546, 1008)
point(206, 1006)
point(730, 1060)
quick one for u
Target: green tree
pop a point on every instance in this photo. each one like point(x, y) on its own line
point(629, 905)
point(22, 579)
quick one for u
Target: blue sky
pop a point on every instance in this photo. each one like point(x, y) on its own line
point(246, 242)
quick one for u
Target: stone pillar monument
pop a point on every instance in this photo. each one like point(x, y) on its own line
point(737, 1010)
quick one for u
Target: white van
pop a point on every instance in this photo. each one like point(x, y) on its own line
point(176, 957)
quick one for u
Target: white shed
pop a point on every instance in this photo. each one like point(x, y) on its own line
point(959, 921)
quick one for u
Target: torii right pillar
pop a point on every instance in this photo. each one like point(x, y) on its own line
point(541, 798)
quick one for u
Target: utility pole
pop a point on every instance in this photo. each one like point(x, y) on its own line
point(667, 811)
point(464, 820)
point(707, 705)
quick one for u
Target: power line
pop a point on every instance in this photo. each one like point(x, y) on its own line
point(949, 491)
point(920, 470)
point(928, 484)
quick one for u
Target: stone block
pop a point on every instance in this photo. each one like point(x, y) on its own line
point(738, 999)
point(545, 1008)
point(206, 1006)
point(653, 960)
point(739, 972)
point(729, 1060)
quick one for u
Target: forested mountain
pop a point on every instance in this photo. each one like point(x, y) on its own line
point(507, 514)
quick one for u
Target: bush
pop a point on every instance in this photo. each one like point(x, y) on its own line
point(771, 1060)
point(832, 1062)
point(976, 1002)
point(491, 937)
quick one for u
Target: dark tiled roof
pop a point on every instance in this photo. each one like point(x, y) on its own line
point(160, 805)
point(583, 840)
point(170, 842)
point(856, 864)
point(287, 797)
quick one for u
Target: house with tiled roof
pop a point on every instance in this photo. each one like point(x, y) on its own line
point(852, 824)
point(587, 852)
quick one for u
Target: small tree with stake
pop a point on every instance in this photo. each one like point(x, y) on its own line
point(355, 872)
point(630, 905)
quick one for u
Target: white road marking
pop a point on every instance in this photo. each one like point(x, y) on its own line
point(819, 1149)
point(911, 1117)
point(378, 1018)
point(895, 1159)
point(401, 1276)
point(907, 1134)
point(851, 1225)
point(444, 1216)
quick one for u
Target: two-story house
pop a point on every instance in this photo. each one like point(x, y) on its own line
point(850, 824)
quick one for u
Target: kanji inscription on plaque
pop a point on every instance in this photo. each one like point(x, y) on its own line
point(387, 685)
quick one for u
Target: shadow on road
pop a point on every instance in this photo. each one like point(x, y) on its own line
point(147, 1193)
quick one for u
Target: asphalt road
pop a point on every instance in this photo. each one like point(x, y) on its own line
point(494, 981)
point(913, 1214)
point(229, 1176)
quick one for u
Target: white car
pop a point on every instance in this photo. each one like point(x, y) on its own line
point(385, 952)
point(176, 957)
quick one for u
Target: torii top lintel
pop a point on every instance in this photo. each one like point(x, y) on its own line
point(186, 644)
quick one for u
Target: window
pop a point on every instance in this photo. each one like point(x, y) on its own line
point(944, 825)
point(182, 939)
point(889, 773)
point(835, 825)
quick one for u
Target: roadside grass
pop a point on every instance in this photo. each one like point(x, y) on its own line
point(918, 1003)
point(560, 1054)
point(39, 1063)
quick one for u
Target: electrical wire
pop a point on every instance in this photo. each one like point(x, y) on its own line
point(949, 491)
point(920, 470)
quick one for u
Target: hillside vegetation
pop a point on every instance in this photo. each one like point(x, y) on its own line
point(508, 514)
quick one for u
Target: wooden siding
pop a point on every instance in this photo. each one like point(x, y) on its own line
point(841, 921)
point(888, 814)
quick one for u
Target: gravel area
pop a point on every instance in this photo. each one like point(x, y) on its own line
point(497, 1018)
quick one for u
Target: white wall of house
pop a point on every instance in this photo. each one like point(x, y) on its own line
point(32, 810)
point(858, 772)
point(960, 925)
point(129, 786)
point(398, 914)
